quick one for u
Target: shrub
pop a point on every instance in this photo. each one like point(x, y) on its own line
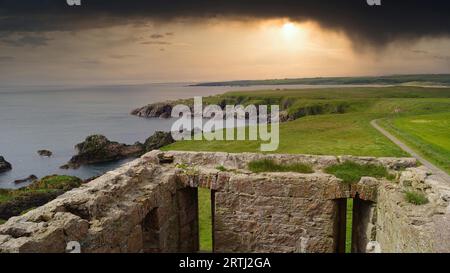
point(416, 198)
point(351, 172)
point(267, 165)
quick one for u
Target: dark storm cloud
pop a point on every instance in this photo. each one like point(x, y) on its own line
point(378, 25)
point(26, 40)
point(6, 59)
point(120, 57)
point(156, 43)
point(156, 36)
point(90, 62)
point(431, 55)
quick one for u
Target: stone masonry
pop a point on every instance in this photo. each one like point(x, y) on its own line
point(150, 205)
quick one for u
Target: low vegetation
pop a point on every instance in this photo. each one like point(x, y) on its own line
point(267, 165)
point(428, 134)
point(56, 182)
point(416, 198)
point(16, 202)
point(349, 226)
point(351, 172)
point(205, 219)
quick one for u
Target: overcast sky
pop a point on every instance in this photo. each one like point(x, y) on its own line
point(107, 42)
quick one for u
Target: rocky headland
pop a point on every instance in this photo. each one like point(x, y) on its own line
point(290, 108)
point(99, 149)
point(155, 110)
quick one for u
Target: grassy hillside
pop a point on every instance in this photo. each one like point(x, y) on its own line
point(321, 135)
point(333, 120)
point(437, 79)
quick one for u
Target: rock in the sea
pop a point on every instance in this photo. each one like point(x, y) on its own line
point(98, 149)
point(46, 153)
point(4, 165)
point(157, 140)
point(30, 178)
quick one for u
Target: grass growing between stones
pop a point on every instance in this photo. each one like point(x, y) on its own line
point(351, 172)
point(267, 165)
point(205, 219)
point(221, 168)
point(2, 221)
point(416, 198)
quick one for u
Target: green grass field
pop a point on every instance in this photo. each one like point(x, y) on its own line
point(349, 223)
point(427, 134)
point(204, 219)
point(336, 121)
point(321, 135)
point(443, 79)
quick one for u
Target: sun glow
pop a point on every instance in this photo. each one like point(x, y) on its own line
point(289, 30)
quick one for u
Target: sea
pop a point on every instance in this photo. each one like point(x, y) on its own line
point(56, 118)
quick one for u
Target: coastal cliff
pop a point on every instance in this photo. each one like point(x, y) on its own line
point(155, 110)
point(290, 108)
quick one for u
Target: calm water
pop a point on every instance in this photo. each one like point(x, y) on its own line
point(58, 118)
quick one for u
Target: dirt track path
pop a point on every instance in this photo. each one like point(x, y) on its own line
point(436, 171)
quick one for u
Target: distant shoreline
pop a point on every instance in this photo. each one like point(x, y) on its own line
point(431, 80)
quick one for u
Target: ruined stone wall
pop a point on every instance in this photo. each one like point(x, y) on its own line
point(403, 227)
point(276, 213)
point(150, 205)
point(138, 207)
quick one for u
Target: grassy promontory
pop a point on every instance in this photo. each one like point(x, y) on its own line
point(16, 202)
